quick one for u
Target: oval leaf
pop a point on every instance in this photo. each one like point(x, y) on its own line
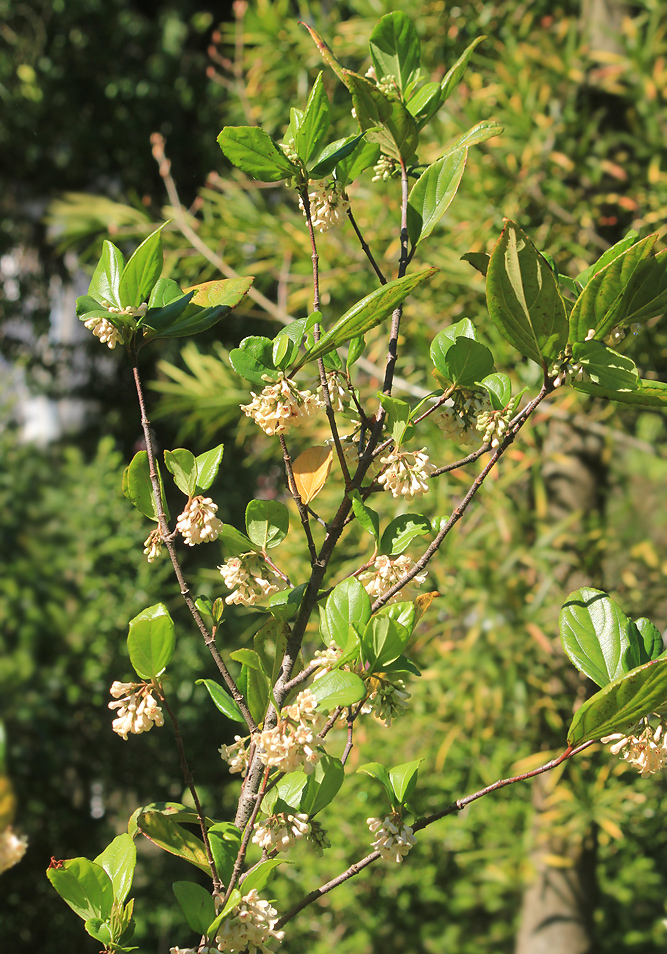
point(593, 631)
point(338, 688)
point(151, 640)
point(267, 523)
point(119, 860)
point(222, 700)
point(254, 152)
point(208, 465)
point(85, 886)
point(311, 469)
point(196, 904)
point(433, 193)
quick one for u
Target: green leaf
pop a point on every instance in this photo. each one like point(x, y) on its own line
point(137, 486)
point(288, 790)
point(105, 283)
point(621, 704)
point(594, 634)
point(196, 904)
point(647, 394)
point(285, 604)
point(234, 542)
point(85, 886)
point(400, 533)
point(254, 686)
point(313, 128)
point(151, 641)
point(454, 75)
point(225, 841)
point(222, 700)
point(404, 613)
point(425, 103)
point(167, 834)
point(332, 155)
point(368, 518)
point(499, 388)
point(338, 688)
point(466, 362)
point(232, 902)
point(383, 641)
point(366, 314)
point(386, 121)
point(253, 359)
point(142, 270)
point(607, 368)
point(523, 298)
point(478, 260)
point(355, 349)
point(118, 860)
point(208, 465)
point(478, 133)
point(254, 152)
point(403, 780)
point(210, 302)
point(633, 287)
point(379, 772)
point(433, 193)
point(348, 606)
point(398, 416)
point(267, 523)
point(99, 929)
point(625, 243)
point(159, 320)
point(181, 463)
point(651, 638)
point(260, 876)
point(165, 292)
point(322, 786)
point(395, 48)
point(364, 155)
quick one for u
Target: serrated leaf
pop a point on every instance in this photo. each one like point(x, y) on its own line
point(222, 700)
point(433, 193)
point(366, 314)
point(85, 886)
point(181, 464)
point(196, 903)
point(167, 834)
point(118, 860)
point(338, 688)
point(142, 270)
point(315, 123)
point(395, 48)
point(621, 704)
point(455, 74)
point(400, 533)
point(311, 469)
point(607, 368)
point(151, 641)
point(253, 151)
point(594, 634)
point(523, 298)
point(267, 523)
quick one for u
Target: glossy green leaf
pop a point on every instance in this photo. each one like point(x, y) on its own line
point(366, 314)
point(137, 486)
point(105, 283)
point(477, 134)
point(167, 834)
point(433, 193)
point(468, 362)
point(594, 634)
point(208, 465)
point(210, 303)
point(395, 48)
point(364, 155)
point(234, 542)
point(85, 886)
point(523, 298)
point(367, 517)
point(322, 785)
point(403, 780)
point(455, 74)
point(647, 394)
point(99, 929)
point(621, 704)
point(400, 533)
point(267, 523)
point(254, 152)
point(142, 270)
point(225, 841)
point(286, 792)
point(151, 641)
point(118, 860)
point(651, 638)
point(379, 772)
point(315, 124)
point(260, 876)
point(181, 463)
point(285, 604)
point(607, 368)
point(222, 700)
point(355, 349)
point(425, 103)
point(403, 612)
point(347, 606)
point(332, 155)
point(253, 360)
point(398, 416)
point(165, 292)
point(338, 688)
point(196, 904)
point(499, 388)
point(383, 641)
point(158, 321)
point(254, 686)
point(625, 243)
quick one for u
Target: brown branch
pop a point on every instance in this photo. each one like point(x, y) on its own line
point(296, 496)
point(366, 248)
point(240, 858)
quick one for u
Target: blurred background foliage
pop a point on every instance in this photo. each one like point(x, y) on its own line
point(578, 500)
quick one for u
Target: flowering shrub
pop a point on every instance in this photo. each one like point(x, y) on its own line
point(291, 770)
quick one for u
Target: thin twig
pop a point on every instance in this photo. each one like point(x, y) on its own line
point(366, 248)
point(296, 496)
point(240, 858)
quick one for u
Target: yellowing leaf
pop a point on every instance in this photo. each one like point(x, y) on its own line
point(207, 293)
point(7, 802)
point(423, 602)
point(311, 470)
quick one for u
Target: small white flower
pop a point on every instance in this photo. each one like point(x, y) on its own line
point(327, 658)
point(393, 839)
point(198, 523)
point(138, 711)
point(236, 755)
point(327, 206)
point(385, 168)
point(407, 473)
point(105, 331)
point(338, 394)
point(645, 752)
point(153, 545)
point(251, 579)
point(281, 406)
point(249, 926)
point(386, 572)
point(280, 831)
point(458, 422)
point(294, 742)
point(12, 848)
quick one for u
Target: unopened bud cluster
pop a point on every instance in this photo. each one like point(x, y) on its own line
point(281, 406)
point(105, 331)
point(153, 545)
point(459, 423)
point(328, 207)
point(386, 572)
point(12, 848)
point(280, 831)
point(249, 926)
point(393, 839)
point(138, 710)
point(250, 578)
point(388, 700)
point(385, 168)
point(647, 752)
point(294, 742)
point(198, 522)
point(493, 426)
point(406, 473)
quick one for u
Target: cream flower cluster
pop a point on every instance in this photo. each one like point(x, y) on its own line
point(327, 658)
point(407, 473)
point(105, 331)
point(458, 423)
point(236, 755)
point(249, 926)
point(386, 572)
point(393, 839)
point(338, 394)
point(281, 831)
point(647, 752)
point(293, 742)
point(281, 406)
point(12, 848)
point(565, 370)
point(138, 710)
point(493, 426)
point(251, 579)
point(198, 522)
point(388, 701)
point(327, 206)
point(153, 545)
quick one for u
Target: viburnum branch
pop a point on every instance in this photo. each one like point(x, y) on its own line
point(247, 834)
point(171, 549)
point(392, 352)
point(470, 459)
point(456, 806)
point(366, 248)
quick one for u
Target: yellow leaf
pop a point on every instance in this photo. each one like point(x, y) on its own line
point(311, 470)
point(423, 602)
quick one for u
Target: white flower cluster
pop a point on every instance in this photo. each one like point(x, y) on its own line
point(385, 168)
point(105, 331)
point(647, 752)
point(281, 406)
point(153, 545)
point(236, 755)
point(251, 579)
point(338, 394)
point(407, 473)
point(493, 426)
point(385, 572)
point(566, 370)
point(12, 848)
point(327, 206)
point(388, 701)
point(393, 839)
point(249, 926)
point(327, 658)
point(137, 709)
point(281, 831)
point(198, 522)
point(459, 423)
point(290, 151)
point(293, 742)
